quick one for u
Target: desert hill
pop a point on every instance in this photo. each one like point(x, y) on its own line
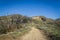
point(19, 27)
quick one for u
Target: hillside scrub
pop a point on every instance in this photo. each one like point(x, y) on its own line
point(18, 23)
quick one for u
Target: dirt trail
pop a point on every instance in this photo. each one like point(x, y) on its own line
point(34, 34)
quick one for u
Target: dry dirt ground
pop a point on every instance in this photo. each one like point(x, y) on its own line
point(34, 34)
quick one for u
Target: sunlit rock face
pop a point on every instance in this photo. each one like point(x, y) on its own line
point(42, 18)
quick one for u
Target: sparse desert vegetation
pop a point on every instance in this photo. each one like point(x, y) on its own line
point(14, 26)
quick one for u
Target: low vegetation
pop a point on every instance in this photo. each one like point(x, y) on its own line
point(16, 25)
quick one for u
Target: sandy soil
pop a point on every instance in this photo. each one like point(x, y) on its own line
point(34, 34)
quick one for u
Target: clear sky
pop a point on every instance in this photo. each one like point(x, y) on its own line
point(48, 8)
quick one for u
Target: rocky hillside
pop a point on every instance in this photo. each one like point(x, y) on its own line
point(15, 25)
point(12, 22)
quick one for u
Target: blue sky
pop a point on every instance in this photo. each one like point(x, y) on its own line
point(47, 8)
